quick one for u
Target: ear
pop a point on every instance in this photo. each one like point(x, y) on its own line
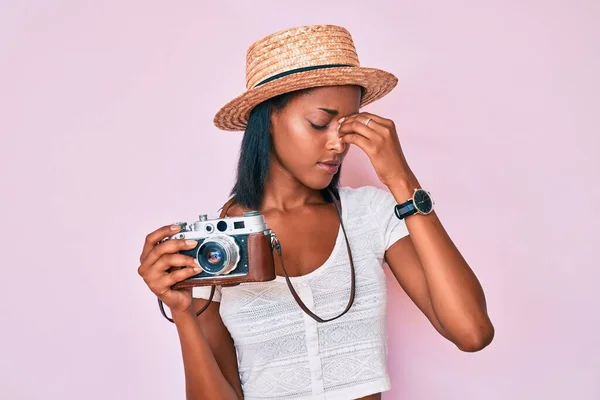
point(275, 116)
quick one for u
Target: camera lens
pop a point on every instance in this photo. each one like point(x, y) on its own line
point(218, 255)
point(212, 257)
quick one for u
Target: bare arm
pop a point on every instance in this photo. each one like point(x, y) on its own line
point(427, 263)
point(208, 330)
point(434, 274)
point(209, 358)
point(208, 354)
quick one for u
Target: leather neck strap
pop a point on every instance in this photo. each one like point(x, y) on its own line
point(226, 207)
point(277, 248)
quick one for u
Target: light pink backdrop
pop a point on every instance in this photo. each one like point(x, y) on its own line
point(106, 133)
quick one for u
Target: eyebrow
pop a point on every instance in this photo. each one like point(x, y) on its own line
point(328, 111)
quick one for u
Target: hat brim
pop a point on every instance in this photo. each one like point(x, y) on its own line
point(233, 116)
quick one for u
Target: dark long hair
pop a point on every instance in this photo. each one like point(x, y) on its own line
point(255, 155)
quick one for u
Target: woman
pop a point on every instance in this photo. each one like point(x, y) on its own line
point(300, 113)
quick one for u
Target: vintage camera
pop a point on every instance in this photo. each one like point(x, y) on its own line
point(230, 250)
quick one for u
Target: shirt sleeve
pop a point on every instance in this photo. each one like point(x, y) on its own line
point(382, 208)
point(203, 292)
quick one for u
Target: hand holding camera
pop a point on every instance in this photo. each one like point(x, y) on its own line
point(229, 250)
point(162, 265)
point(225, 251)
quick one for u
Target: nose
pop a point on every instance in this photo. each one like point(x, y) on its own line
point(333, 141)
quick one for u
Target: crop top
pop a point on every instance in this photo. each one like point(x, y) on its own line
point(283, 353)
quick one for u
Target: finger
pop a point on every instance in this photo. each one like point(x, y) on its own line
point(359, 140)
point(369, 122)
point(374, 123)
point(385, 128)
point(345, 120)
point(163, 284)
point(168, 261)
point(354, 125)
point(376, 118)
point(354, 120)
point(156, 272)
point(172, 278)
point(169, 247)
point(153, 238)
point(378, 124)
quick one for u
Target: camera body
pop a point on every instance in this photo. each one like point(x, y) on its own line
point(230, 250)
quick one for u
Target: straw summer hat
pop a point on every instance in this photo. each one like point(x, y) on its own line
point(301, 58)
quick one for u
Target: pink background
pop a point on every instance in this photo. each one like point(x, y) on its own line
point(106, 133)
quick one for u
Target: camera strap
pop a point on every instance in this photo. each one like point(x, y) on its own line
point(276, 248)
point(164, 314)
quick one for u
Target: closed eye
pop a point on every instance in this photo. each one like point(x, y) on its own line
point(319, 127)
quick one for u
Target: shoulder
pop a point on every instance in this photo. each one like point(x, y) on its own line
point(372, 211)
point(234, 210)
point(369, 201)
point(370, 196)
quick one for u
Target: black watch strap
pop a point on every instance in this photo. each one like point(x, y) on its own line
point(405, 209)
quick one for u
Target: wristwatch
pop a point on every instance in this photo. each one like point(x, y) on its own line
point(420, 203)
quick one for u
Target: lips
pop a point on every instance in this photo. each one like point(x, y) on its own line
point(330, 167)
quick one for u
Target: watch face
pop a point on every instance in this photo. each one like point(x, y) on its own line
point(423, 201)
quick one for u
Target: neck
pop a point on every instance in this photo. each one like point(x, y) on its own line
point(284, 192)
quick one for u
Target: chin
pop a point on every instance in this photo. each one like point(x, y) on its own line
point(316, 185)
point(318, 182)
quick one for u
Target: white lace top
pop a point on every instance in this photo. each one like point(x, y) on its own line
point(285, 354)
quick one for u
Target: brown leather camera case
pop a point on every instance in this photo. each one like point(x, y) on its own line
point(260, 262)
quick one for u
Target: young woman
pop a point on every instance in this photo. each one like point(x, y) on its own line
point(300, 113)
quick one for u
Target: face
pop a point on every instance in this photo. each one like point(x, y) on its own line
point(304, 134)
